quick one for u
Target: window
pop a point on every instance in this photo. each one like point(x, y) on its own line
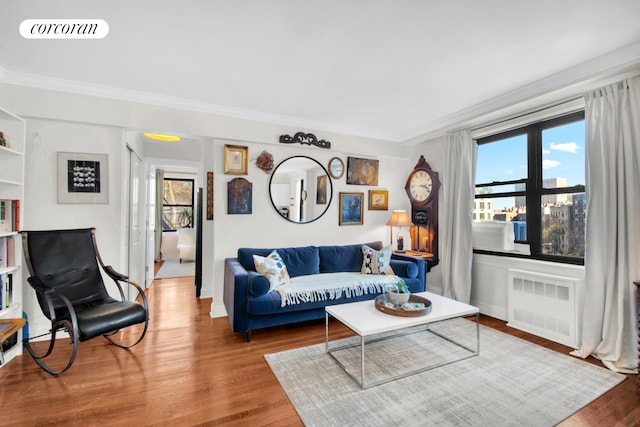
point(533, 178)
point(177, 204)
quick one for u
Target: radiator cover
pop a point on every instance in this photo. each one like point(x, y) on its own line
point(544, 305)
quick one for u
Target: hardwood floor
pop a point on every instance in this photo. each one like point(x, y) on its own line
point(192, 370)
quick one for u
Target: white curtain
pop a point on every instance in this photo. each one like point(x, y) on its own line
point(456, 216)
point(612, 253)
point(158, 219)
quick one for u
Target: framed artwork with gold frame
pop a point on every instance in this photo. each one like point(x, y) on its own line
point(236, 159)
point(378, 200)
point(351, 209)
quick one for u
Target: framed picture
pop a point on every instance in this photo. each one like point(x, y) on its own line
point(83, 178)
point(378, 200)
point(209, 196)
point(236, 159)
point(351, 208)
point(239, 196)
point(362, 171)
point(321, 190)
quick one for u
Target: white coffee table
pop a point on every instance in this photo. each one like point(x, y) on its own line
point(366, 321)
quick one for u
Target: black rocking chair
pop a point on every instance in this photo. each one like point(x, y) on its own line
point(63, 265)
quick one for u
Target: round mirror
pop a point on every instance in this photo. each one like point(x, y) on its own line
point(300, 189)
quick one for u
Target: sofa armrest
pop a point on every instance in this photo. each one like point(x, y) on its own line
point(236, 293)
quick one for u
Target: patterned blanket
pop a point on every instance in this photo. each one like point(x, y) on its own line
point(331, 286)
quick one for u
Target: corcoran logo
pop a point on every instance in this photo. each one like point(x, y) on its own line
point(64, 29)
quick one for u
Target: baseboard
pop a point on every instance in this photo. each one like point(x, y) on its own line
point(490, 310)
point(217, 311)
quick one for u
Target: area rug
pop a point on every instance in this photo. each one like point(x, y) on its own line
point(511, 383)
point(172, 268)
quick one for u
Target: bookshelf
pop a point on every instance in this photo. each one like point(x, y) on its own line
point(12, 165)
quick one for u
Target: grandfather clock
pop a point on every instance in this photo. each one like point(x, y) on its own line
point(422, 188)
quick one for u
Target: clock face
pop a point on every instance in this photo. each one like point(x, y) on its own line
point(420, 185)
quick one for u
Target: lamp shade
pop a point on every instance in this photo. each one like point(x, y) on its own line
point(399, 218)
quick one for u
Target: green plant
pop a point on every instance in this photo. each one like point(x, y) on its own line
point(403, 288)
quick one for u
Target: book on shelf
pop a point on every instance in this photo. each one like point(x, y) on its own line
point(16, 215)
point(9, 215)
point(7, 251)
point(4, 252)
point(6, 290)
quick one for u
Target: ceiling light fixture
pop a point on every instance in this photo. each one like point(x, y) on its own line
point(161, 137)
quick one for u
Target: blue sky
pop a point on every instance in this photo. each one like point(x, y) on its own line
point(562, 156)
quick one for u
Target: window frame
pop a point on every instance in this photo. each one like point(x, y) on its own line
point(192, 205)
point(534, 188)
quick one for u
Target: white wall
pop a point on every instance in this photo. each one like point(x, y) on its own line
point(266, 228)
point(45, 138)
point(69, 122)
point(58, 121)
point(490, 284)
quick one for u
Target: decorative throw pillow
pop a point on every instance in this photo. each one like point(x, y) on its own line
point(273, 268)
point(376, 262)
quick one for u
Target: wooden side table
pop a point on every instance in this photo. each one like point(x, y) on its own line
point(9, 327)
point(429, 258)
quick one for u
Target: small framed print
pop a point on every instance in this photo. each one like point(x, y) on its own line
point(82, 178)
point(378, 200)
point(321, 190)
point(351, 209)
point(239, 197)
point(236, 159)
point(209, 196)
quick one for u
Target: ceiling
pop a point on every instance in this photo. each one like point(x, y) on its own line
point(387, 69)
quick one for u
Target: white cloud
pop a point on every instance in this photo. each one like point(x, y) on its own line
point(546, 151)
point(548, 164)
point(569, 147)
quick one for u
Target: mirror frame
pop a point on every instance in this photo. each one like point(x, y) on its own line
point(329, 190)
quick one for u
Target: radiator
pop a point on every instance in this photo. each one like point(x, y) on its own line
point(544, 305)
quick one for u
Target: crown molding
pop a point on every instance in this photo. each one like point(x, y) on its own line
point(589, 75)
point(606, 69)
point(119, 94)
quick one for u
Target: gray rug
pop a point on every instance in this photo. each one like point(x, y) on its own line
point(511, 383)
point(176, 269)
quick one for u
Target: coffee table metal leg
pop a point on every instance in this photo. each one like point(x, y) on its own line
point(362, 361)
point(326, 333)
point(478, 333)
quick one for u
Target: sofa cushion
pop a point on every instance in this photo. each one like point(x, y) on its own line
point(377, 262)
point(273, 268)
point(334, 259)
point(299, 260)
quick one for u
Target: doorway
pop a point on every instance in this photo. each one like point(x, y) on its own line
point(175, 219)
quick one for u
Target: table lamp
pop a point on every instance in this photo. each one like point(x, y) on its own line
point(399, 218)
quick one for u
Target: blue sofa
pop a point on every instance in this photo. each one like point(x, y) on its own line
point(250, 303)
